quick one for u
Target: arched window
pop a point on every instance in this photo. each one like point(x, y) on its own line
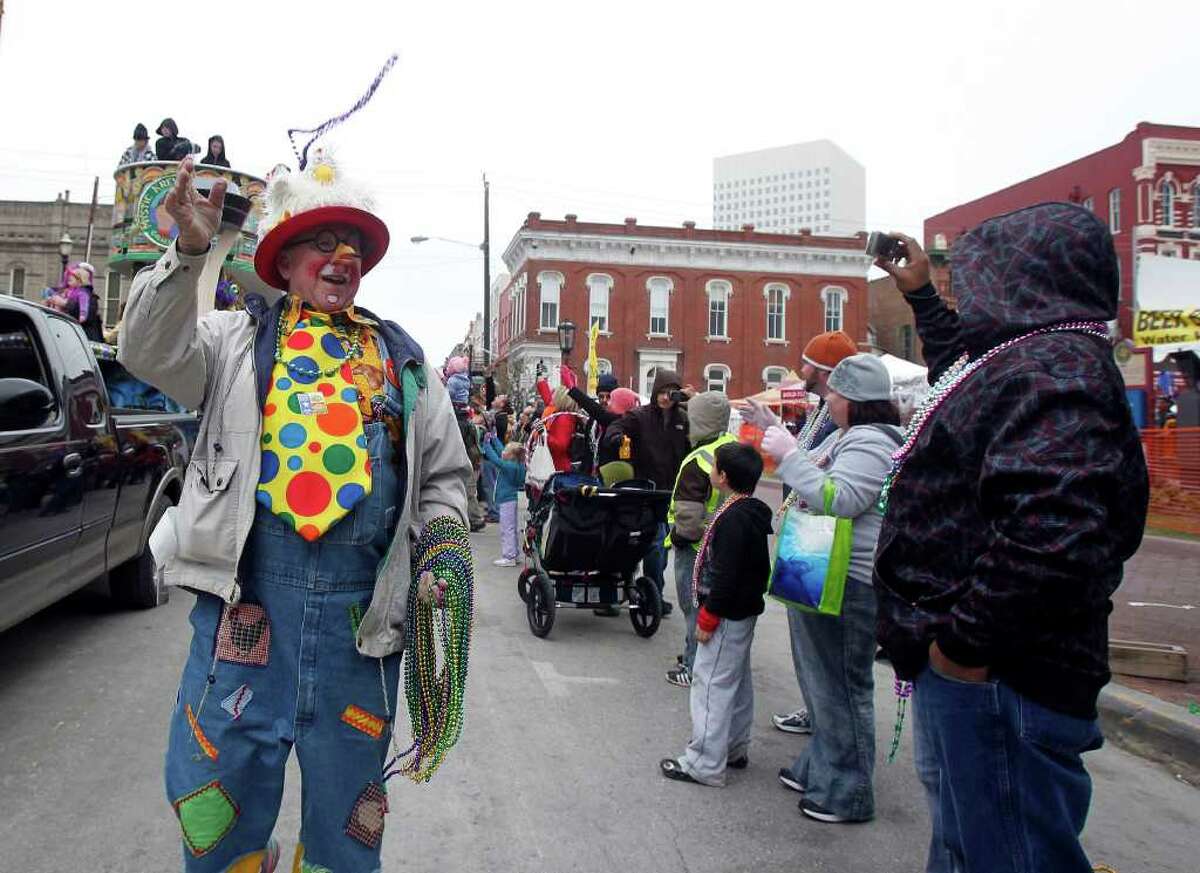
point(834, 299)
point(1167, 191)
point(660, 288)
point(16, 281)
point(716, 377)
point(777, 295)
point(773, 376)
point(599, 286)
point(1114, 210)
point(719, 292)
point(603, 365)
point(549, 286)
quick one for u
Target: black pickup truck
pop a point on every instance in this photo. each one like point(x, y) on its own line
point(89, 461)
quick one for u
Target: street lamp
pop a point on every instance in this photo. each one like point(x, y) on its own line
point(566, 338)
point(64, 249)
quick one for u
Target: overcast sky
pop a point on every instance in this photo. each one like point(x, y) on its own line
point(603, 109)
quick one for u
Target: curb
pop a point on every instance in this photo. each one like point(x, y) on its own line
point(1152, 728)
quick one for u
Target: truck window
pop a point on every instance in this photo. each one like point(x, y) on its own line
point(125, 391)
point(87, 399)
point(20, 357)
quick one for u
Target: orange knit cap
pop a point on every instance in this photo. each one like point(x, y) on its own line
point(826, 350)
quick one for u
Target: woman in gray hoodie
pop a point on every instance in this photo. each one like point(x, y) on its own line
point(835, 769)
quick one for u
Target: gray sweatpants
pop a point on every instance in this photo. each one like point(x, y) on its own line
point(722, 702)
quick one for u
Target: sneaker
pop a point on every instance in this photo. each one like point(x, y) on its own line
point(796, 722)
point(607, 611)
point(820, 813)
point(504, 562)
point(680, 676)
point(667, 608)
point(477, 527)
point(789, 781)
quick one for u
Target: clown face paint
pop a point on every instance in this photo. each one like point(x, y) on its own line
point(325, 281)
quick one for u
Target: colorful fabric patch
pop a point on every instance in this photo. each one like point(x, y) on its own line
point(205, 817)
point(356, 617)
point(366, 819)
point(235, 704)
point(205, 743)
point(357, 717)
point(244, 636)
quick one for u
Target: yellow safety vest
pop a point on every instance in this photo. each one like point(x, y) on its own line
point(703, 457)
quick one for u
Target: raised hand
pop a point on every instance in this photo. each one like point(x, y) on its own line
point(761, 415)
point(196, 216)
point(915, 272)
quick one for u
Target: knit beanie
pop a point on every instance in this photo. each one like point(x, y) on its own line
point(861, 378)
point(708, 415)
point(622, 400)
point(606, 382)
point(826, 350)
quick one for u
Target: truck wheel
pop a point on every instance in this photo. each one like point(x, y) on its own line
point(137, 584)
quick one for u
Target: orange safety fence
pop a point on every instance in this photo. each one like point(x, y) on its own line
point(1173, 458)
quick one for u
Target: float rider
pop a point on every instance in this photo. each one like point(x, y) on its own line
point(327, 466)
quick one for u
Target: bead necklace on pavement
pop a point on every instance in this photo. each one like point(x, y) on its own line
point(950, 381)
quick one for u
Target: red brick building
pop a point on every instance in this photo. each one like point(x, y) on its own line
point(1146, 188)
point(726, 309)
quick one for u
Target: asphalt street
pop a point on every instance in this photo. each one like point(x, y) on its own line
point(556, 769)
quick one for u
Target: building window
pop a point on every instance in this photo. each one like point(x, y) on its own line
point(549, 285)
point(1088, 204)
point(773, 376)
point(112, 298)
point(1195, 207)
point(16, 282)
point(716, 377)
point(599, 286)
point(1168, 204)
point(777, 296)
point(718, 291)
point(1114, 210)
point(834, 299)
point(906, 342)
point(660, 300)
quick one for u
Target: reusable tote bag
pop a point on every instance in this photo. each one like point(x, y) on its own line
point(812, 558)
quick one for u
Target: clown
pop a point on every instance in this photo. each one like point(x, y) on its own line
point(327, 467)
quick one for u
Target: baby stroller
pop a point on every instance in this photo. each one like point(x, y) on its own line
point(583, 543)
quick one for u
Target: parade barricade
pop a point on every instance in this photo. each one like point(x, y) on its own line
point(1173, 459)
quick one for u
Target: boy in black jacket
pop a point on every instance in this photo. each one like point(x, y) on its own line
point(732, 570)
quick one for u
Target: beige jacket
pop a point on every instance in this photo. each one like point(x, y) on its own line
point(210, 366)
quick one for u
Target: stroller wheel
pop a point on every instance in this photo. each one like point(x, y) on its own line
point(645, 607)
point(539, 608)
point(523, 581)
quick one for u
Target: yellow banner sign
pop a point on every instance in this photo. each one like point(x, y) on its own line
point(1166, 327)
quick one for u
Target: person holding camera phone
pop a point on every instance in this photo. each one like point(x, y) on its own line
point(658, 433)
point(1018, 494)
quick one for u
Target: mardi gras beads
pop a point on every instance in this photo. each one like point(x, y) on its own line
point(950, 381)
point(903, 692)
point(435, 695)
point(352, 345)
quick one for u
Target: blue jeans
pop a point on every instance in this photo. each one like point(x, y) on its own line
point(837, 767)
point(279, 670)
point(1008, 792)
point(654, 565)
point(685, 564)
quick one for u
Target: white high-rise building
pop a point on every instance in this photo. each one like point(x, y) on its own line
point(813, 185)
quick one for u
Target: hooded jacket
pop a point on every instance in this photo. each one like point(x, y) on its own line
point(1007, 527)
point(708, 419)
point(659, 437)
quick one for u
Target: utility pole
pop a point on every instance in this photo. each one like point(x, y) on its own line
point(487, 279)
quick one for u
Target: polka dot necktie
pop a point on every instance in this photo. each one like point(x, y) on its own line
point(315, 467)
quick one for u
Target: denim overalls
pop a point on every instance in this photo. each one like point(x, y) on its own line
point(280, 669)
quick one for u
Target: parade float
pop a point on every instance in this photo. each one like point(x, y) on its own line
point(142, 230)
